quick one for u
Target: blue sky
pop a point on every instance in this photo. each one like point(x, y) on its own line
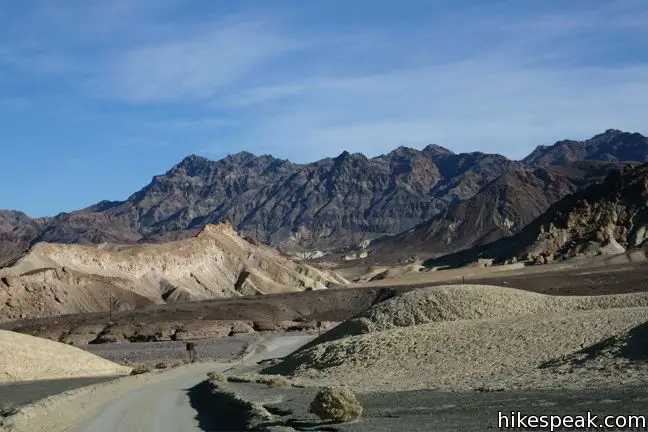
point(96, 97)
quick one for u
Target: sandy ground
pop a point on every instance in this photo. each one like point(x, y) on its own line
point(469, 337)
point(155, 401)
point(25, 358)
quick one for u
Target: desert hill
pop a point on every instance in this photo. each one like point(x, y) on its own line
point(52, 279)
point(464, 337)
point(502, 208)
point(27, 358)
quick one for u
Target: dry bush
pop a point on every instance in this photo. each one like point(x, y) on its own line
point(140, 369)
point(278, 381)
point(274, 381)
point(336, 404)
point(160, 365)
point(240, 379)
point(216, 377)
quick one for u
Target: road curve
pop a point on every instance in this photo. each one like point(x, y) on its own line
point(165, 405)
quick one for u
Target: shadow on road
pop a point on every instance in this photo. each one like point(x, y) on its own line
point(216, 412)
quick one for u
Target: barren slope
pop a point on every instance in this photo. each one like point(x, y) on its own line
point(26, 358)
point(468, 337)
point(52, 278)
point(501, 209)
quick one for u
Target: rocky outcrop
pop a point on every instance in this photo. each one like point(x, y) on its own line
point(52, 279)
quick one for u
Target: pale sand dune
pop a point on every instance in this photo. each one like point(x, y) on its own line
point(27, 358)
point(465, 337)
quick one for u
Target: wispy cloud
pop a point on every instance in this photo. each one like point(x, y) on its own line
point(509, 77)
point(194, 68)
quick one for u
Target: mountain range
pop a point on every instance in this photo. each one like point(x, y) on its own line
point(339, 202)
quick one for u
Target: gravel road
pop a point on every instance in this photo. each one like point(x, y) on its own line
point(165, 406)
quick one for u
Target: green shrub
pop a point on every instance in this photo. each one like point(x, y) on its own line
point(336, 404)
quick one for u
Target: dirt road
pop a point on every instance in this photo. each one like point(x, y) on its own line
point(166, 406)
point(159, 403)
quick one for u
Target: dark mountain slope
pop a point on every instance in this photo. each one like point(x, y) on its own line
point(612, 145)
point(501, 209)
point(324, 204)
point(606, 218)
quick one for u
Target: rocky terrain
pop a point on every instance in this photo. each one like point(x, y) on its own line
point(607, 218)
point(476, 337)
point(612, 145)
point(501, 209)
point(604, 219)
point(54, 279)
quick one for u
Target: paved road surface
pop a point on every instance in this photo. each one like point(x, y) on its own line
point(17, 394)
point(166, 406)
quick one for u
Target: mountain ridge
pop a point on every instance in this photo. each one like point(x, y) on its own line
point(328, 204)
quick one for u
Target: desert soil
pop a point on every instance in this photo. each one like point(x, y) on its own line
point(27, 358)
point(464, 337)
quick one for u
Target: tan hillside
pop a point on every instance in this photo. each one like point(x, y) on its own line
point(27, 358)
point(55, 278)
point(465, 336)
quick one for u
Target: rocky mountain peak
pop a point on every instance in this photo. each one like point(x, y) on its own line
point(242, 157)
point(433, 150)
point(609, 134)
point(611, 145)
point(404, 152)
point(193, 160)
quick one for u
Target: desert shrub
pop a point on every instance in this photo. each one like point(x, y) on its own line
point(275, 381)
point(240, 379)
point(140, 369)
point(337, 404)
point(216, 377)
point(278, 382)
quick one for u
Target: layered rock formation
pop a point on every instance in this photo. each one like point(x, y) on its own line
point(54, 278)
